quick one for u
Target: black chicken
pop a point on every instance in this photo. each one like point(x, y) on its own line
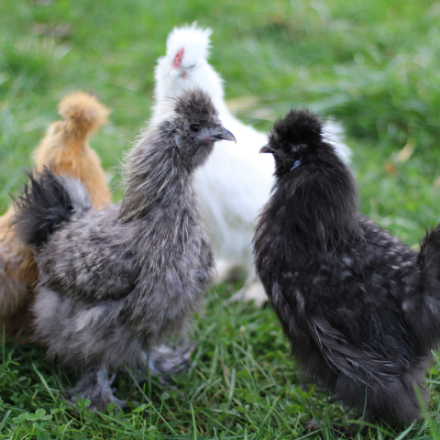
point(361, 309)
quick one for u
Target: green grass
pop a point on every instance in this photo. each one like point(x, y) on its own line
point(374, 65)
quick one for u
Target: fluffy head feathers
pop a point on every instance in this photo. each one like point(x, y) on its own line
point(298, 127)
point(196, 128)
point(65, 146)
point(171, 149)
point(195, 47)
point(310, 174)
point(297, 141)
point(82, 113)
point(195, 105)
point(185, 66)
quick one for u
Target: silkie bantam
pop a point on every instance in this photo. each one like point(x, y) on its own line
point(361, 309)
point(114, 283)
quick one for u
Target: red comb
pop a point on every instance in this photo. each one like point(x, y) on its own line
point(178, 58)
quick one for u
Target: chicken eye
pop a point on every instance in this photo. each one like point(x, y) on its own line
point(298, 148)
point(194, 127)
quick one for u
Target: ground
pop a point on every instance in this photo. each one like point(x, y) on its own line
point(372, 65)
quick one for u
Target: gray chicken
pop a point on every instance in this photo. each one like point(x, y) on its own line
point(114, 283)
point(360, 308)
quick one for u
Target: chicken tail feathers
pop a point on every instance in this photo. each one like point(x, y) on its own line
point(429, 257)
point(48, 201)
point(423, 311)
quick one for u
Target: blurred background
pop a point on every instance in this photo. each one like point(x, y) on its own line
point(372, 65)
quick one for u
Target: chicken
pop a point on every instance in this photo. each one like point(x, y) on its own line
point(114, 283)
point(360, 308)
point(235, 182)
point(65, 147)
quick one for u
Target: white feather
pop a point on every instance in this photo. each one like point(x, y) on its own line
point(236, 181)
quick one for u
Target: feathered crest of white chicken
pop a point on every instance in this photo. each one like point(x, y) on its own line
point(185, 66)
point(196, 40)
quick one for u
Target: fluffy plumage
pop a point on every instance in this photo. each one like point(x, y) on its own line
point(65, 147)
point(359, 307)
point(235, 182)
point(114, 283)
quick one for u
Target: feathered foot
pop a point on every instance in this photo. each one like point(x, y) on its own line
point(164, 361)
point(95, 386)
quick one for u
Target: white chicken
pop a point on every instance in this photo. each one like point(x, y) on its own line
point(236, 181)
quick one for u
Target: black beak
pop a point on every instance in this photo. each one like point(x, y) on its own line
point(266, 149)
point(222, 134)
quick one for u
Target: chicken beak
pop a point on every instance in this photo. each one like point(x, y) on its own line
point(266, 149)
point(224, 134)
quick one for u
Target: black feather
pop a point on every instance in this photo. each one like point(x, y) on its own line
point(44, 205)
point(360, 308)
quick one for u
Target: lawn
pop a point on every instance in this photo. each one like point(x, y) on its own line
point(374, 65)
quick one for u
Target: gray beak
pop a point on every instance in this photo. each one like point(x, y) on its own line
point(223, 134)
point(266, 149)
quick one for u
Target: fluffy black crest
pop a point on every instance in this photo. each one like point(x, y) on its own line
point(48, 201)
point(298, 127)
point(195, 104)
